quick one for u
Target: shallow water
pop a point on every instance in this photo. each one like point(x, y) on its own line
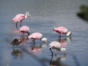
point(46, 15)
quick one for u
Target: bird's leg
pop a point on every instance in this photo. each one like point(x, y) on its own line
point(51, 55)
point(51, 51)
point(16, 25)
point(56, 53)
point(20, 23)
point(60, 35)
point(23, 34)
point(33, 41)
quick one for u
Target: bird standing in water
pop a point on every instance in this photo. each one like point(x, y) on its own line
point(25, 29)
point(20, 17)
point(16, 42)
point(37, 35)
point(56, 45)
point(62, 30)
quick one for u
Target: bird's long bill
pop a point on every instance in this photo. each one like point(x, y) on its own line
point(31, 17)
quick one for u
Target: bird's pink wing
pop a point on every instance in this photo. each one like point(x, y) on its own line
point(60, 29)
point(18, 17)
point(55, 44)
point(35, 36)
point(24, 28)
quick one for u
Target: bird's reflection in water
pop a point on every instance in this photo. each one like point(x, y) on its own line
point(64, 41)
point(57, 62)
point(16, 53)
point(43, 44)
point(35, 49)
point(84, 12)
point(16, 31)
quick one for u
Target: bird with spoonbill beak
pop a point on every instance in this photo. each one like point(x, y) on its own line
point(62, 30)
point(20, 17)
point(37, 35)
point(56, 45)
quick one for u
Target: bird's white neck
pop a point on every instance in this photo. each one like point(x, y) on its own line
point(27, 14)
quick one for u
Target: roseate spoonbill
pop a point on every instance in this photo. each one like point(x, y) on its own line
point(62, 30)
point(24, 29)
point(56, 45)
point(16, 41)
point(20, 17)
point(37, 35)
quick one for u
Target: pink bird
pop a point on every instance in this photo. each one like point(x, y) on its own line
point(62, 30)
point(24, 29)
point(20, 17)
point(37, 35)
point(56, 45)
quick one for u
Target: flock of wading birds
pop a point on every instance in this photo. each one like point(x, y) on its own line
point(37, 35)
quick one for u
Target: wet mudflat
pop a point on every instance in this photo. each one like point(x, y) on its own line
point(46, 16)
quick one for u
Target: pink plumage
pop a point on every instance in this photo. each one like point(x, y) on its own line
point(35, 35)
point(54, 44)
point(35, 49)
point(60, 30)
point(18, 17)
point(24, 29)
point(63, 42)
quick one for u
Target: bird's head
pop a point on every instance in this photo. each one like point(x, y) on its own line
point(68, 33)
point(44, 39)
point(27, 14)
point(63, 49)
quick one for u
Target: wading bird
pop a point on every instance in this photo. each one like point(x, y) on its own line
point(16, 42)
point(56, 45)
point(20, 17)
point(37, 35)
point(62, 30)
point(24, 29)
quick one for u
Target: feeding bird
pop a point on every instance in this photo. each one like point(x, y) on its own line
point(25, 29)
point(62, 30)
point(56, 45)
point(37, 35)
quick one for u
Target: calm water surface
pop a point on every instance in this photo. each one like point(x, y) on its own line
point(47, 14)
